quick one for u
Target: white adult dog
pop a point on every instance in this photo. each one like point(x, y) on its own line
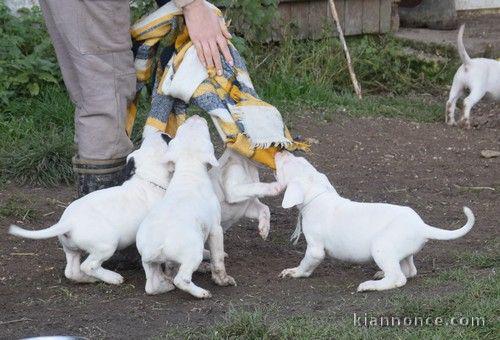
point(352, 231)
point(238, 188)
point(106, 220)
point(190, 214)
point(480, 76)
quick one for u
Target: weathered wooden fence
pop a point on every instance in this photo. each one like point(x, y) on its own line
point(312, 18)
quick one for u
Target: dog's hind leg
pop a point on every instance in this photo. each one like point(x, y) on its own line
point(72, 270)
point(407, 266)
point(389, 262)
point(92, 267)
point(156, 281)
point(469, 102)
point(315, 253)
point(455, 93)
point(184, 275)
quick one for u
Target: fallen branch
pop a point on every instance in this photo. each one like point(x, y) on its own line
point(357, 87)
point(474, 188)
point(14, 321)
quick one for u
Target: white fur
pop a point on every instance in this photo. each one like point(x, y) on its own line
point(352, 231)
point(238, 188)
point(480, 76)
point(189, 215)
point(106, 220)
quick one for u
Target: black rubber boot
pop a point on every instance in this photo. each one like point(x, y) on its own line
point(94, 174)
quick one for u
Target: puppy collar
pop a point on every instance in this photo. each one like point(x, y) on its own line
point(312, 199)
point(151, 182)
point(298, 228)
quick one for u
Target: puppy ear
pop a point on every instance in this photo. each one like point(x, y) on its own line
point(293, 195)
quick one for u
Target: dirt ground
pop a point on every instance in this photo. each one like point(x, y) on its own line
point(430, 167)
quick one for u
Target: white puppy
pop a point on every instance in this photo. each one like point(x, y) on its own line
point(106, 220)
point(351, 231)
point(238, 188)
point(480, 76)
point(190, 214)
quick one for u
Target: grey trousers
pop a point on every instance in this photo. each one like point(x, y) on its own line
point(93, 47)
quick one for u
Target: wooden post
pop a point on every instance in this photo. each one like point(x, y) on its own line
point(357, 87)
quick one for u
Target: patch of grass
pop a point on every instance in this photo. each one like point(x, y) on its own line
point(476, 301)
point(19, 208)
point(347, 104)
point(312, 71)
point(36, 143)
point(480, 260)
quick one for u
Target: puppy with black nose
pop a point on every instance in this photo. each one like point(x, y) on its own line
point(106, 220)
point(189, 215)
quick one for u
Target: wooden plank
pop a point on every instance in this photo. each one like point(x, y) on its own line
point(353, 17)
point(300, 16)
point(340, 6)
point(371, 16)
point(283, 22)
point(385, 16)
point(318, 20)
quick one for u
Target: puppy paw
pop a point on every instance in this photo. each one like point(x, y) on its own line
point(364, 287)
point(451, 122)
point(202, 294)
point(378, 275)
point(165, 285)
point(264, 230)
point(464, 124)
point(114, 279)
point(290, 272)
point(161, 287)
point(224, 280)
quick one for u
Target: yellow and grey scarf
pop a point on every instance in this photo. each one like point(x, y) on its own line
point(245, 123)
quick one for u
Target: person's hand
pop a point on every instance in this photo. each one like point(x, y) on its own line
point(208, 34)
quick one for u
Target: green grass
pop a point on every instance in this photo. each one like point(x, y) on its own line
point(36, 143)
point(311, 71)
point(348, 105)
point(19, 208)
point(476, 300)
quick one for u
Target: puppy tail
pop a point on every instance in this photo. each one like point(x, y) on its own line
point(441, 234)
point(56, 230)
point(461, 48)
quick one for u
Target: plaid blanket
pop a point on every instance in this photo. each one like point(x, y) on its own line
point(245, 123)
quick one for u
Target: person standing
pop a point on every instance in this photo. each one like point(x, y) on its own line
point(93, 48)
